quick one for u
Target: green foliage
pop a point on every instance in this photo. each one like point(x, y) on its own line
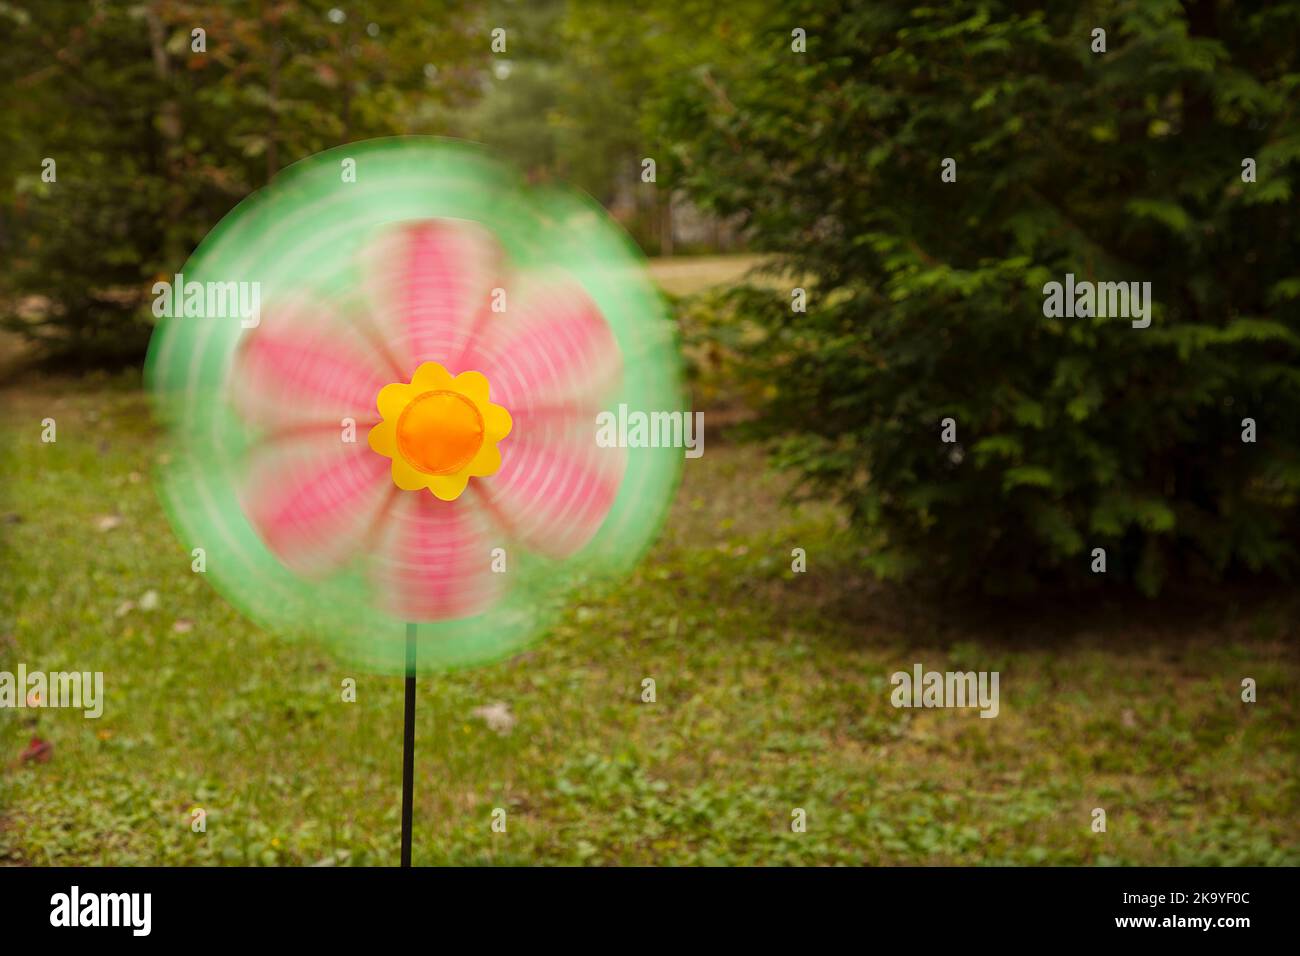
point(154, 141)
point(570, 99)
point(925, 297)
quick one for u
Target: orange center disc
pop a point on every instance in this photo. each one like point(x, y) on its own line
point(439, 433)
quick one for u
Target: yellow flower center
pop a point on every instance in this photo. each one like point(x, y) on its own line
point(440, 432)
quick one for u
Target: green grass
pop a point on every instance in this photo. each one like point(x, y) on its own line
point(772, 694)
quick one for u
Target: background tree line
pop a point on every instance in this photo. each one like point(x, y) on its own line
point(924, 296)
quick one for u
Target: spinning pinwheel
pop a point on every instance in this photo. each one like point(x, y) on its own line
point(398, 451)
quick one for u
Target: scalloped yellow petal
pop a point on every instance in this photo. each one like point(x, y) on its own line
point(448, 487)
point(393, 398)
point(406, 477)
point(473, 385)
point(496, 423)
point(383, 439)
point(430, 375)
point(486, 462)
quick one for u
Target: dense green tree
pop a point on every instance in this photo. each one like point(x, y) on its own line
point(157, 131)
point(926, 297)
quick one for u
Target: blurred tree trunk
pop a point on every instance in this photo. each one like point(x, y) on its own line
point(666, 226)
point(170, 127)
point(273, 97)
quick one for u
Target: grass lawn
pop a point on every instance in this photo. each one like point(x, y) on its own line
point(772, 694)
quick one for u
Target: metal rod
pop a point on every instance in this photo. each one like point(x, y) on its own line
point(408, 747)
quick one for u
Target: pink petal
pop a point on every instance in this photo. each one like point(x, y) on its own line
point(315, 502)
point(303, 365)
point(551, 350)
point(429, 286)
point(555, 487)
point(434, 559)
